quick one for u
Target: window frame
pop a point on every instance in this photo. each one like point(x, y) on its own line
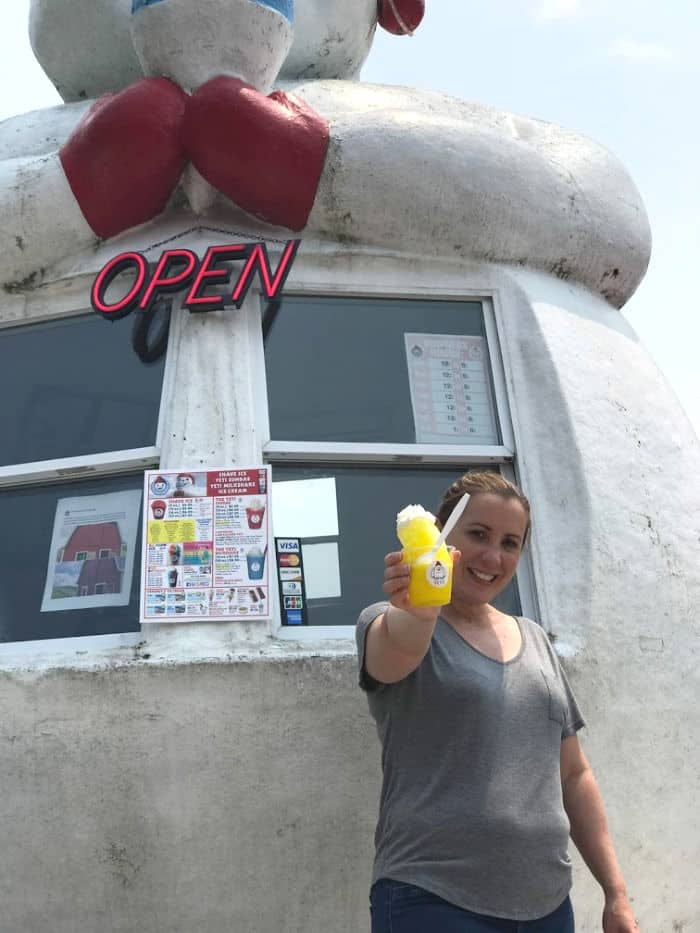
point(58, 303)
point(459, 455)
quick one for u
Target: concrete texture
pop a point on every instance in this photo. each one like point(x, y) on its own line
point(102, 60)
point(474, 182)
point(501, 188)
point(210, 797)
point(332, 39)
point(193, 42)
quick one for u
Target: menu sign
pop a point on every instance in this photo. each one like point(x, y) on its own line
point(450, 389)
point(205, 546)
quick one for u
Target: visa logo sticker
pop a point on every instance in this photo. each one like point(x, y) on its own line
point(288, 545)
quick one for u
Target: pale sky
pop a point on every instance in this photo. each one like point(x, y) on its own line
point(625, 74)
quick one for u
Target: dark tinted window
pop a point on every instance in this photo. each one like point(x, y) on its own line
point(28, 515)
point(73, 387)
point(367, 500)
point(337, 371)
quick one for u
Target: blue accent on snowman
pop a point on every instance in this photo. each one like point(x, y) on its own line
point(285, 7)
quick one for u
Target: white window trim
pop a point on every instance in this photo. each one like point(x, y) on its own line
point(90, 466)
point(462, 455)
point(278, 451)
point(65, 652)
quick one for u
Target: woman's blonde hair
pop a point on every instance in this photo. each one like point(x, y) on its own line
point(478, 481)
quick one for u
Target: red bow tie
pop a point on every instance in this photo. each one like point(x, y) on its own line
point(126, 156)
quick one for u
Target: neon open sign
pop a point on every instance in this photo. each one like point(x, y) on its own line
point(178, 269)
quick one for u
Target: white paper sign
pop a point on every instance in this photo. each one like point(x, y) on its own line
point(450, 390)
point(305, 508)
point(91, 558)
point(321, 570)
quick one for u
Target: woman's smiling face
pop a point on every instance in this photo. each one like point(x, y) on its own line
point(490, 535)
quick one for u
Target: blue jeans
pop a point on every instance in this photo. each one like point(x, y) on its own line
point(403, 908)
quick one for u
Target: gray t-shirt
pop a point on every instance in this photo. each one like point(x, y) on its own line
point(471, 806)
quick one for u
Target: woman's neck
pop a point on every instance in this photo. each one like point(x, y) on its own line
point(480, 615)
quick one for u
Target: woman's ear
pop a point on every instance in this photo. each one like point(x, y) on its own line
point(401, 17)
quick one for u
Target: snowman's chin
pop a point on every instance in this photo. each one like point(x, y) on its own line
point(192, 43)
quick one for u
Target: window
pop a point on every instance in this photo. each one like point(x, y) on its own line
point(406, 395)
point(357, 351)
point(77, 388)
point(342, 571)
point(81, 427)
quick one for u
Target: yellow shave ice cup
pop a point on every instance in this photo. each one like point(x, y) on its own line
point(431, 571)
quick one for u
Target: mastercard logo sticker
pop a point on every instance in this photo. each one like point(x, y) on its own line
point(289, 560)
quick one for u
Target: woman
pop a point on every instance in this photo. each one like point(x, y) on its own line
point(484, 777)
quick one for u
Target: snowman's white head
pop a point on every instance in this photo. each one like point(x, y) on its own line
point(86, 46)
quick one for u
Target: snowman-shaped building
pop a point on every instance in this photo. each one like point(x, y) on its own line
point(439, 289)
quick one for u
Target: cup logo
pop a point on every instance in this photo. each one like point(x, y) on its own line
point(437, 574)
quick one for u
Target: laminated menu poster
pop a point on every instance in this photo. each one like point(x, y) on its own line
point(205, 554)
point(450, 389)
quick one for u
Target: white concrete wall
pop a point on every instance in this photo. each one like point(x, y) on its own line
point(228, 796)
point(224, 778)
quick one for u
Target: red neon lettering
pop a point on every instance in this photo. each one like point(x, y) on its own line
point(166, 279)
point(169, 283)
point(271, 285)
point(214, 254)
point(244, 280)
point(105, 278)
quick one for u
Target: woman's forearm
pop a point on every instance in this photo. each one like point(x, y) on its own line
point(408, 633)
point(589, 830)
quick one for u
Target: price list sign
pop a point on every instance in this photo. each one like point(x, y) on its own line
point(205, 545)
point(450, 390)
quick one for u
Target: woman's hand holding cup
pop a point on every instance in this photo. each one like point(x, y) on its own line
point(397, 577)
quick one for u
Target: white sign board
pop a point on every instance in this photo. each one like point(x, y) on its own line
point(450, 389)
